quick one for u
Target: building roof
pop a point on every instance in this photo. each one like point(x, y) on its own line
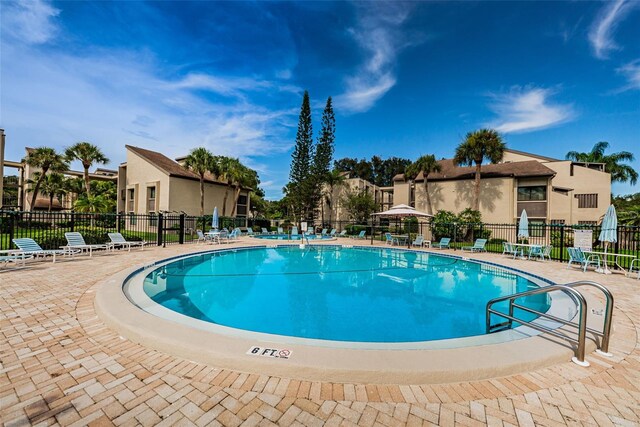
point(170, 167)
point(449, 172)
point(535, 156)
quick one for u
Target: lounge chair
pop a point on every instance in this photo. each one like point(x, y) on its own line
point(443, 244)
point(419, 241)
point(324, 232)
point(118, 240)
point(361, 236)
point(280, 230)
point(76, 241)
point(250, 231)
point(343, 233)
point(265, 231)
point(576, 255)
point(511, 249)
point(31, 248)
point(478, 246)
point(333, 232)
point(294, 232)
point(14, 257)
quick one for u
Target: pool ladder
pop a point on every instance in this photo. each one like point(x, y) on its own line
point(580, 325)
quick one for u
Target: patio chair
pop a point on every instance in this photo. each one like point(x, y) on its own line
point(118, 240)
point(201, 236)
point(634, 268)
point(250, 231)
point(443, 244)
point(265, 231)
point(280, 230)
point(478, 246)
point(76, 241)
point(419, 241)
point(234, 236)
point(343, 233)
point(14, 257)
point(294, 233)
point(333, 232)
point(30, 247)
point(536, 251)
point(389, 240)
point(361, 236)
point(511, 249)
point(324, 232)
point(222, 237)
point(576, 255)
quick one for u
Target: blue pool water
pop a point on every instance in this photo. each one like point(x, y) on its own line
point(336, 293)
point(287, 237)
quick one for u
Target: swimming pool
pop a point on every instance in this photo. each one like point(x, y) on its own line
point(366, 295)
point(288, 237)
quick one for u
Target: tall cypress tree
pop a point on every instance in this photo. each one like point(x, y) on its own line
point(300, 174)
point(323, 154)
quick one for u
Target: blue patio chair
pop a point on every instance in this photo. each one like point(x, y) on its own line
point(478, 246)
point(419, 241)
point(576, 255)
point(361, 236)
point(343, 233)
point(294, 233)
point(389, 240)
point(75, 241)
point(280, 230)
point(511, 249)
point(265, 231)
point(536, 251)
point(324, 232)
point(333, 232)
point(443, 244)
point(31, 248)
point(250, 231)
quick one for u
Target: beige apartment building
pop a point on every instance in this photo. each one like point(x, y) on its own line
point(149, 182)
point(550, 190)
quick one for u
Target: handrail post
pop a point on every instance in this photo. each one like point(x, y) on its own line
point(582, 332)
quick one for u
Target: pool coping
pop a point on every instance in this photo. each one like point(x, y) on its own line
point(320, 363)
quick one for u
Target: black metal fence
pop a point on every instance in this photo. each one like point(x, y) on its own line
point(48, 228)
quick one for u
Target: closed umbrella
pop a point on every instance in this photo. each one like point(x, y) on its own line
point(608, 233)
point(214, 219)
point(523, 226)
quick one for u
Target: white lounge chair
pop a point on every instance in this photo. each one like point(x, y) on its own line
point(419, 241)
point(443, 244)
point(75, 241)
point(13, 257)
point(361, 236)
point(478, 246)
point(31, 248)
point(118, 240)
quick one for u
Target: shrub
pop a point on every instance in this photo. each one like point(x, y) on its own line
point(442, 224)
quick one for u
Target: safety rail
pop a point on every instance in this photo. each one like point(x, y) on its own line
point(581, 325)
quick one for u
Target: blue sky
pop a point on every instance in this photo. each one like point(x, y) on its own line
point(407, 78)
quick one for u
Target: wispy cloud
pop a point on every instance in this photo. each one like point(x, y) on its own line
point(632, 73)
point(232, 86)
point(605, 24)
point(527, 109)
point(378, 33)
point(29, 21)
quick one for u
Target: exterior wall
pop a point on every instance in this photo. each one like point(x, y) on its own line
point(337, 212)
point(185, 196)
point(496, 197)
point(402, 193)
point(519, 157)
point(140, 175)
point(583, 181)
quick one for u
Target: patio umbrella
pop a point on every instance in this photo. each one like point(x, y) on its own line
point(402, 211)
point(214, 219)
point(523, 226)
point(608, 233)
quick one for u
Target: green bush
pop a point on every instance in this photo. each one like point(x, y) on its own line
point(442, 224)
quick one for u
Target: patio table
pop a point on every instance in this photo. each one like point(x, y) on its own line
point(528, 246)
point(401, 239)
point(616, 259)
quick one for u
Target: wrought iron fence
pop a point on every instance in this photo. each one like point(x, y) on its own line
point(48, 228)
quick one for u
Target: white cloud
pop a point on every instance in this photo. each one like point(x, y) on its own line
point(528, 109)
point(231, 86)
point(602, 29)
point(29, 21)
point(378, 35)
point(632, 73)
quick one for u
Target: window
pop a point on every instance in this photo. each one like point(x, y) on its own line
point(131, 200)
point(536, 193)
point(241, 207)
point(557, 221)
point(586, 201)
point(151, 199)
point(587, 222)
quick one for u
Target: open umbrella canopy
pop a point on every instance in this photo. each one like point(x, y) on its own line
point(523, 226)
point(214, 218)
point(609, 228)
point(401, 211)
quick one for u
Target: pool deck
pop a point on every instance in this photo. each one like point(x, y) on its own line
point(61, 364)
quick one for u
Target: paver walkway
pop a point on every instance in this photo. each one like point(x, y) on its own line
point(59, 364)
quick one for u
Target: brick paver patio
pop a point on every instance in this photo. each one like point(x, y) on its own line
point(60, 364)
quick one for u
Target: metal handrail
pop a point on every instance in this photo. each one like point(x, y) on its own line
point(581, 325)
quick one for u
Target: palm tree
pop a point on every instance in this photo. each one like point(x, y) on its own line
point(247, 178)
point(427, 164)
point(613, 162)
point(53, 186)
point(483, 144)
point(333, 180)
point(231, 171)
point(75, 188)
point(47, 159)
point(200, 161)
point(88, 154)
point(93, 204)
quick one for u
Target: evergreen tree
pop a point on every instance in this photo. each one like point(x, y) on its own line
point(300, 175)
point(323, 154)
